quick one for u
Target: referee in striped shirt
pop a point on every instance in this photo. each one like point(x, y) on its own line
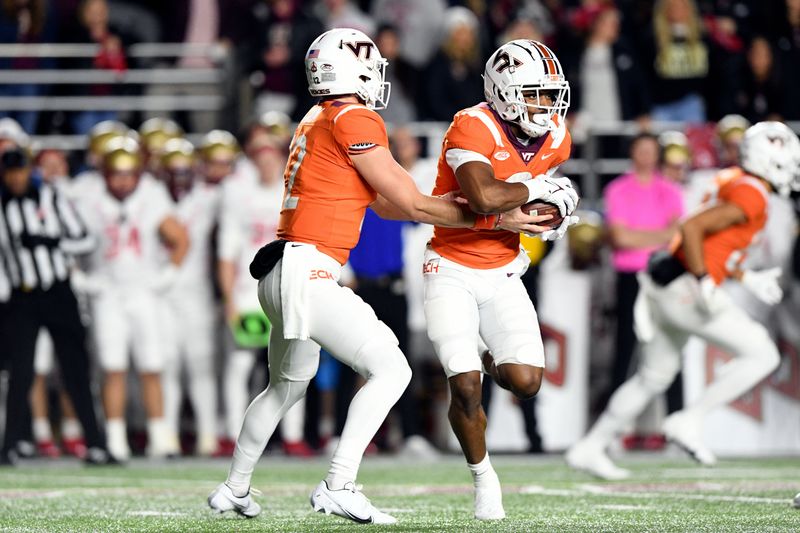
point(39, 231)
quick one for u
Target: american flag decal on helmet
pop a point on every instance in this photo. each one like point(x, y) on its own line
point(312, 54)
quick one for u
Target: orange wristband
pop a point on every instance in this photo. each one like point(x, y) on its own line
point(486, 221)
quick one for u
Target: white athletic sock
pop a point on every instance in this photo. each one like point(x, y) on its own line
point(293, 421)
point(367, 412)
point(236, 390)
point(482, 472)
point(117, 438)
point(41, 430)
point(71, 429)
point(260, 421)
point(159, 436)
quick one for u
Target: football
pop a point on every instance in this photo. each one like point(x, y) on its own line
point(537, 207)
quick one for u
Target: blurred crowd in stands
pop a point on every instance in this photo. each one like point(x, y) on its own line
point(682, 60)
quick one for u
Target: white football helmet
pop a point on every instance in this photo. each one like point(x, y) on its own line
point(522, 68)
point(346, 61)
point(771, 150)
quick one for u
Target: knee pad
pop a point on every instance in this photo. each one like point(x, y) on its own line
point(380, 355)
point(289, 392)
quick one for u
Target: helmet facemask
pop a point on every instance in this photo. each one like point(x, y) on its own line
point(375, 91)
point(521, 69)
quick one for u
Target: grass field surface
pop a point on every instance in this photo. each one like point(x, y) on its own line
point(540, 494)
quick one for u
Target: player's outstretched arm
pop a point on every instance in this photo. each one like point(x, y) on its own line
point(706, 222)
point(401, 198)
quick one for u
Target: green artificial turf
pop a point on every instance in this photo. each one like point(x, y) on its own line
point(540, 494)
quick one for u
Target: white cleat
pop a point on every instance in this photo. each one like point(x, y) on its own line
point(684, 430)
point(489, 501)
point(222, 499)
point(592, 459)
point(348, 502)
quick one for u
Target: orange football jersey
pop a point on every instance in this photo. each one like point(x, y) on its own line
point(325, 198)
point(478, 129)
point(725, 250)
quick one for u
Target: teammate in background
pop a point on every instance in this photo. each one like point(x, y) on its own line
point(153, 135)
point(248, 221)
point(134, 218)
point(190, 301)
point(680, 297)
point(218, 152)
point(499, 154)
point(92, 177)
point(339, 165)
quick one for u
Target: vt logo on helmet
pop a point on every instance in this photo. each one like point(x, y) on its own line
point(521, 70)
point(345, 61)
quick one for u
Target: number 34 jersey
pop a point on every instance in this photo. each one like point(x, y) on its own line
point(325, 198)
point(130, 252)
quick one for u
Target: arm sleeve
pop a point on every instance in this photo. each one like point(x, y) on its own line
point(456, 157)
point(359, 130)
point(749, 199)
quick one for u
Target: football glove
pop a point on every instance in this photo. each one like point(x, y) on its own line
point(561, 230)
point(557, 191)
point(764, 284)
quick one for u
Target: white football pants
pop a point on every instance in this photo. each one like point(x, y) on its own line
point(464, 305)
point(348, 329)
point(676, 317)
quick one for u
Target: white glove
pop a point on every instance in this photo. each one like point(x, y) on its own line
point(764, 284)
point(166, 278)
point(560, 231)
point(557, 191)
point(705, 291)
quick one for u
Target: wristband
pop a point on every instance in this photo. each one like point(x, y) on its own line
point(534, 190)
point(486, 221)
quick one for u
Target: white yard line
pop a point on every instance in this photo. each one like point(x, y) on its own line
point(600, 490)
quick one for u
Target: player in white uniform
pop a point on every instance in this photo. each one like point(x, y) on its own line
point(134, 220)
point(190, 300)
point(87, 182)
point(249, 220)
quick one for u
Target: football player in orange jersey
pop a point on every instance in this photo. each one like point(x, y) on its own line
point(681, 297)
point(473, 289)
point(339, 165)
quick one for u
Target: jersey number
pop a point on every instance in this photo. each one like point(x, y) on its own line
point(120, 240)
point(298, 153)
